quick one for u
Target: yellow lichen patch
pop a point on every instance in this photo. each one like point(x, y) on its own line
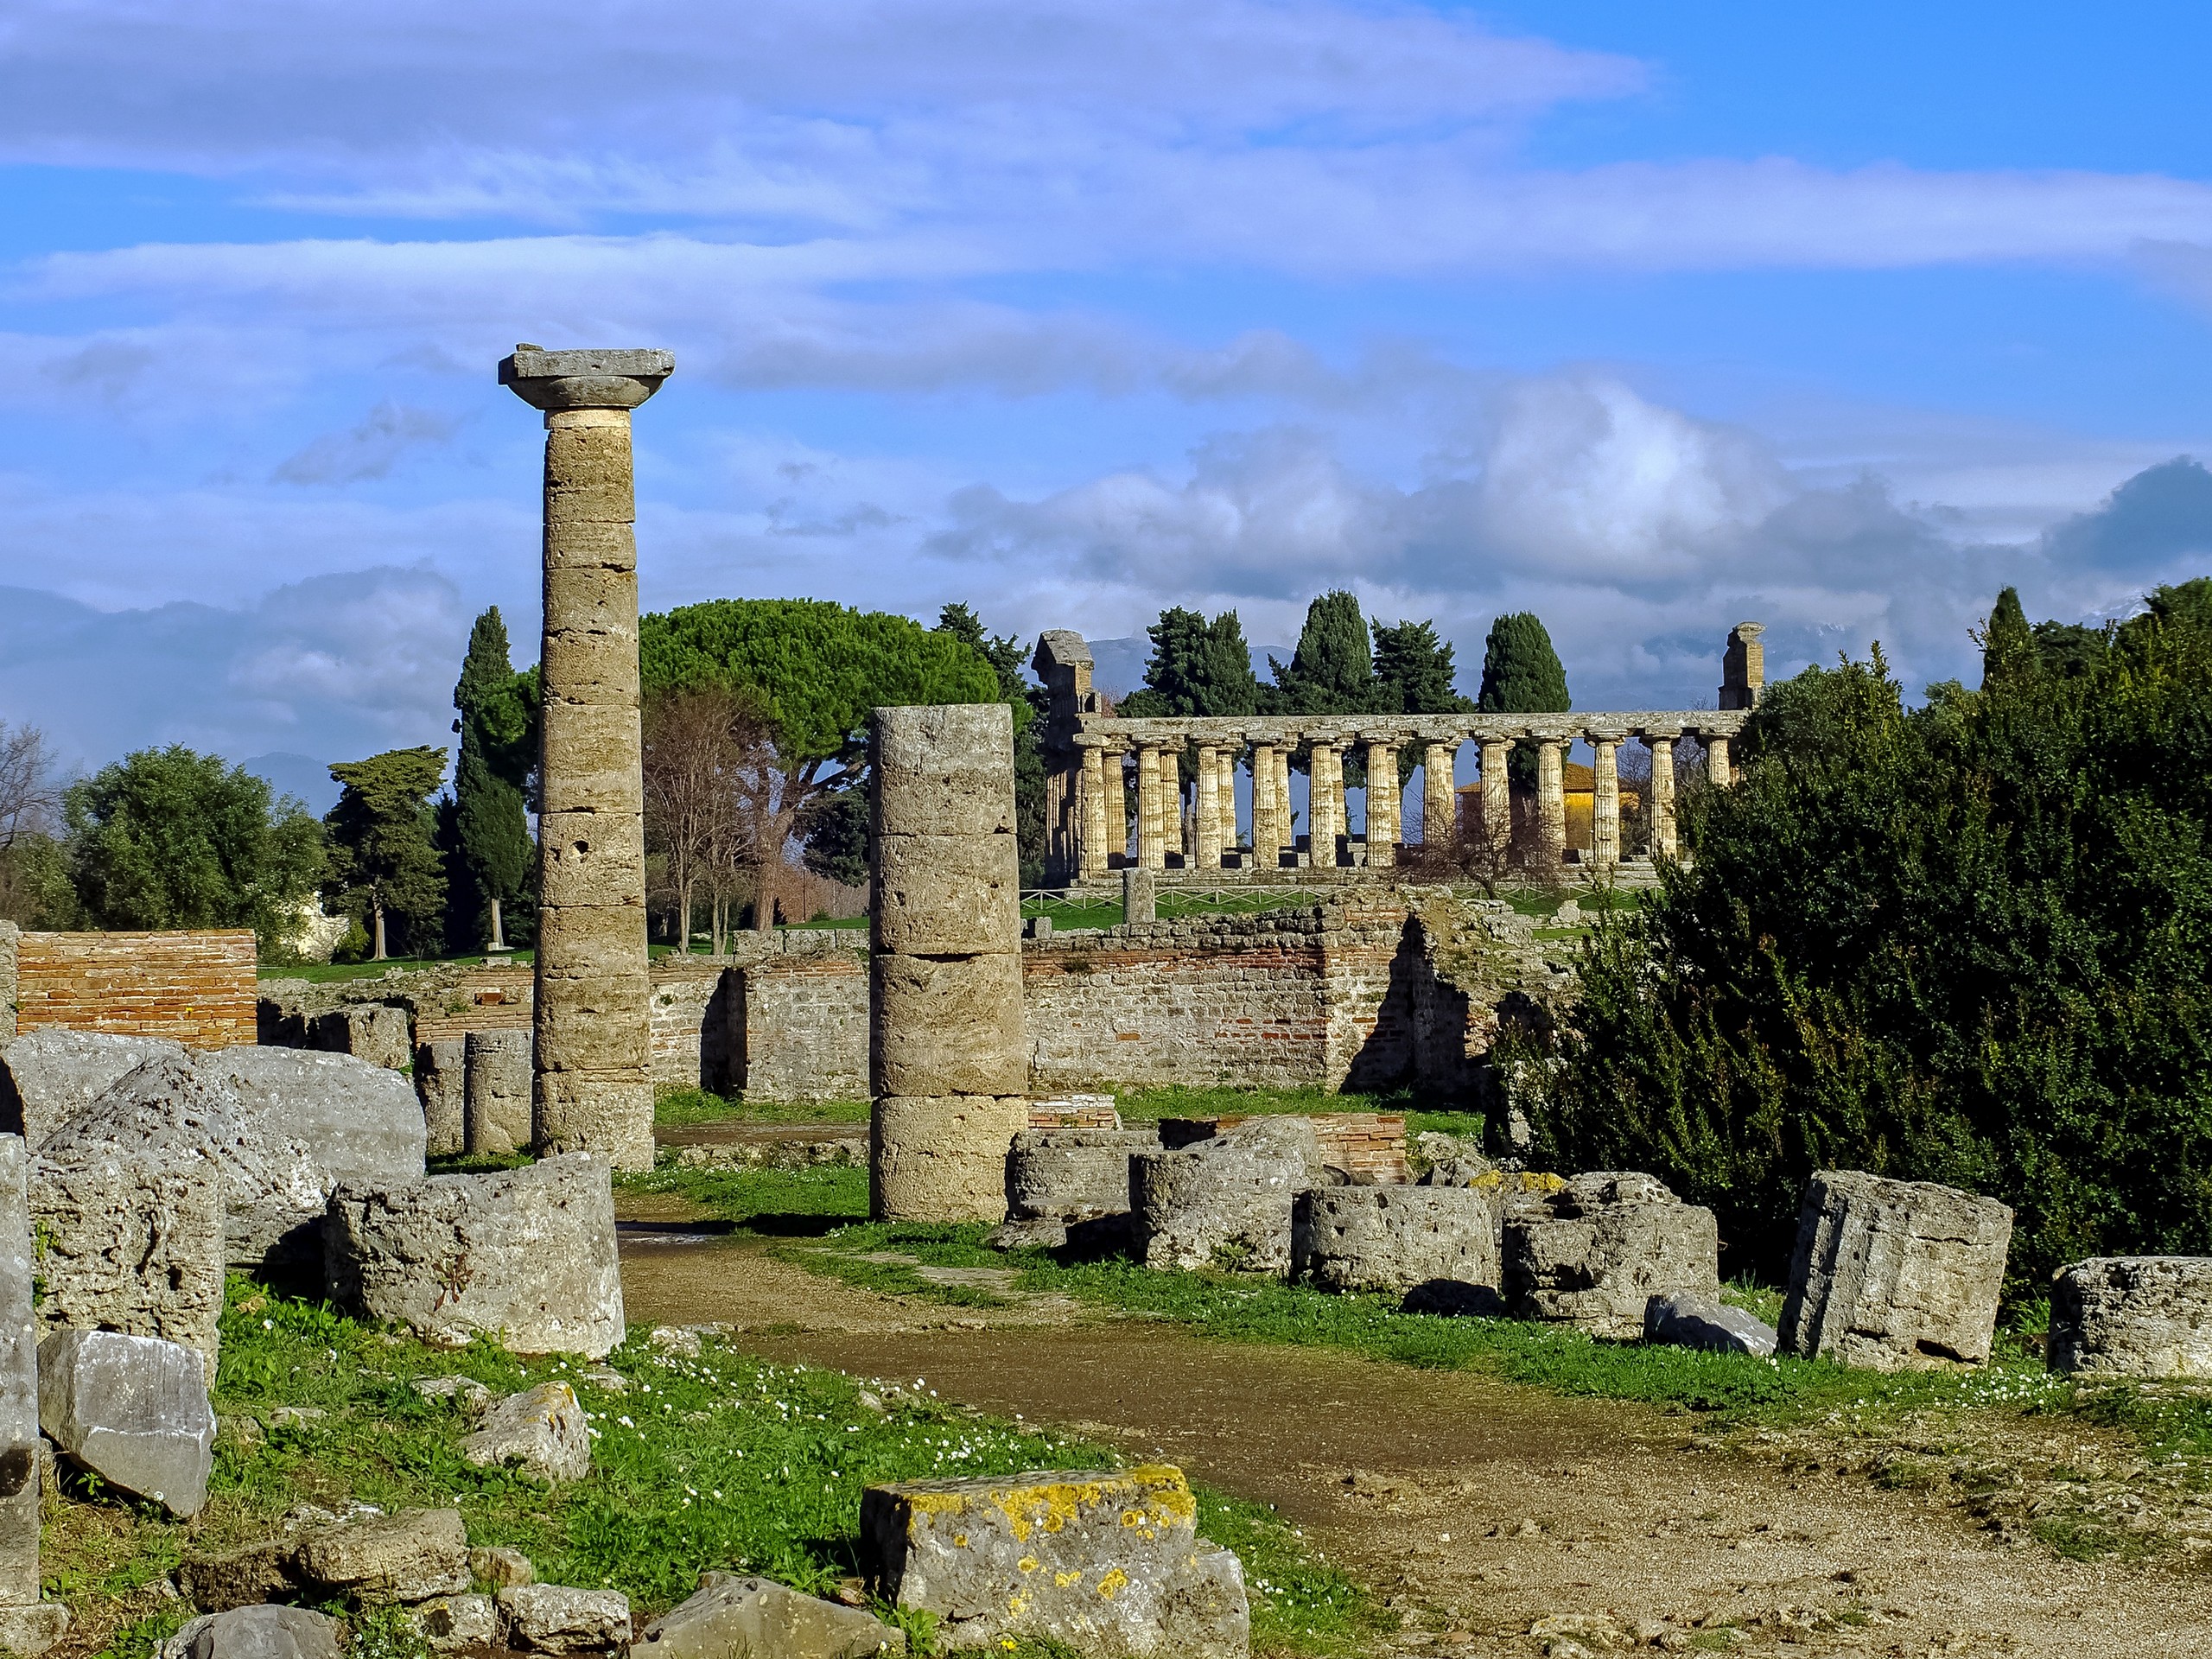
point(1112, 1582)
point(1063, 1580)
point(960, 1540)
point(1049, 1506)
point(1027, 1563)
point(1016, 1605)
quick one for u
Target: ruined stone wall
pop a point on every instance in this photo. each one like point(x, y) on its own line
point(801, 1029)
point(196, 987)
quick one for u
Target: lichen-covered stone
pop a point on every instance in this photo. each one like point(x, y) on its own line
point(1687, 1320)
point(1072, 1175)
point(256, 1632)
point(945, 895)
point(19, 1425)
point(48, 1076)
point(543, 1430)
point(450, 1624)
point(555, 1618)
point(942, 1158)
point(1107, 1562)
point(496, 1109)
point(381, 1559)
point(132, 1244)
point(733, 1616)
point(369, 1032)
point(526, 1256)
point(943, 1026)
point(360, 1122)
point(133, 1410)
point(1382, 1238)
point(441, 1085)
point(2133, 1316)
point(1225, 1201)
point(1596, 1252)
point(943, 769)
point(1894, 1275)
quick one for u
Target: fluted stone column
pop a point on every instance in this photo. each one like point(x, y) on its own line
point(947, 1038)
point(1151, 844)
point(1662, 796)
point(1551, 803)
point(1267, 808)
point(1497, 797)
point(1717, 769)
point(1605, 803)
point(1205, 812)
point(1324, 813)
point(1382, 805)
point(1439, 798)
point(592, 1088)
point(1286, 818)
point(1090, 815)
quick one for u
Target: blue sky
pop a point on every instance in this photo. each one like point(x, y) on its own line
point(1649, 318)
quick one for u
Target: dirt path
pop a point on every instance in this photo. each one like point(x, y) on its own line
point(1483, 1507)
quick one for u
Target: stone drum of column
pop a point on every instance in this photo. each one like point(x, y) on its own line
point(592, 1088)
point(946, 1036)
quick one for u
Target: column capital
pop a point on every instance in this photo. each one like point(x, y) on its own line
point(584, 379)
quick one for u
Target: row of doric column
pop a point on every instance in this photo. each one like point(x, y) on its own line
point(1213, 834)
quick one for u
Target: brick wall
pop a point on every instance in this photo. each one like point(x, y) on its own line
point(196, 987)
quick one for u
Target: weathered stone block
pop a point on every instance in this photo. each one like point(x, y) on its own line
point(441, 1084)
point(1359, 1238)
point(132, 1244)
point(2133, 1316)
point(944, 770)
point(366, 1031)
point(450, 1624)
point(944, 1159)
point(948, 1026)
point(543, 1430)
point(31, 1627)
point(737, 1615)
point(381, 1559)
point(1072, 1175)
point(946, 895)
point(259, 1632)
point(361, 1121)
point(1223, 1202)
point(47, 1077)
point(497, 1093)
point(131, 1409)
point(525, 1256)
point(553, 1618)
point(1894, 1275)
point(19, 1424)
point(1107, 1562)
point(1687, 1320)
point(1597, 1253)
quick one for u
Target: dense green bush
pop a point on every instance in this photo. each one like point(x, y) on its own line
point(1969, 943)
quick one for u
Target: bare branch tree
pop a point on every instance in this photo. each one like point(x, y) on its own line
point(687, 763)
point(30, 799)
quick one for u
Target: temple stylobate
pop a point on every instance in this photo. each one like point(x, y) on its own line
point(1091, 829)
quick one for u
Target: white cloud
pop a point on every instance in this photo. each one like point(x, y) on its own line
point(370, 449)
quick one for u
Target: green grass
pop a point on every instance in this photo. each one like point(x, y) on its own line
point(1179, 1100)
point(721, 1462)
point(325, 973)
point(676, 1108)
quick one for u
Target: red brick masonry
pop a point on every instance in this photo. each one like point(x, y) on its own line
point(196, 987)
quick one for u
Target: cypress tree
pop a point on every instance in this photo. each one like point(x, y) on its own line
point(384, 868)
point(489, 826)
point(1522, 675)
point(1414, 672)
point(1332, 670)
point(2008, 645)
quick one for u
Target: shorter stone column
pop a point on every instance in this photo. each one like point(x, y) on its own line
point(1497, 797)
point(947, 1035)
point(1325, 812)
point(1382, 805)
point(1717, 770)
point(1551, 803)
point(1662, 796)
point(1267, 850)
point(1205, 812)
point(1090, 815)
point(1152, 845)
point(1605, 803)
point(1286, 821)
point(1439, 798)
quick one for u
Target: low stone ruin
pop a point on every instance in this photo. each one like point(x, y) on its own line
point(732, 1615)
point(1107, 1562)
point(496, 1096)
point(441, 1084)
point(2133, 1316)
point(1395, 1239)
point(1894, 1275)
point(1223, 1202)
point(368, 1031)
point(1685, 1319)
point(1597, 1252)
point(48, 1076)
point(1065, 1183)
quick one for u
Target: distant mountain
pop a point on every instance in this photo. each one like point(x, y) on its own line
point(1117, 665)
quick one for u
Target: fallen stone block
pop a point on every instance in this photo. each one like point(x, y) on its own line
point(1072, 1175)
point(1595, 1253)
point(733, 1615)
point(239, 1578)
point(553, 1619)
point(360, 1122)
point(2133, 1316)
point(30, 1628)
point(524, 1255)
point(1687, 1320)
point(366, 1031)
point(260, 1632)
point(381, 1559)
point(1894, 1275)
point(1361, 1238)
point(543, 1430)
point(1107, 1562)
point(500, 1567)
point(497, 1092)
point(1225, 1202)
point(441, 1084)
point(133, 1410)
point(48, 1076)
point(131, 1244)
point(452, 1623)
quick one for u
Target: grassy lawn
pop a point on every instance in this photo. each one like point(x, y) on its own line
point(677, 1109)
point(721, 1462)
point(325, 973)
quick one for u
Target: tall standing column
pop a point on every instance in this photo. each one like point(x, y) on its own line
point(1325, 812)
point(1498, 799)
point(1439, 798)
point(1090, 815)
point(1205, 812)
point(1382, 805)
point(1717, 771)
point(1605, 803)
point(1266, 836)
point(947, 1038)
point(591, 1064)
point(1286, 818)
point(1551, 803)
point(1151, 847)
point(1662, 796)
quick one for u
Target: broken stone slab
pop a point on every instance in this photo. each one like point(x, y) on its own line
point(133, 1244)
point(133, 1410)
point(450, 1624)
point(1107, 1561)
point(496, 1092)
point(441, 1084)
point(366, 1031)
point(1595, 1253)
point(19, 1385)
point(1072, 1175)
point(31, 1627)
point(524, 1256)
point(1687, 1320)
point(732, 1615)
point(1225, 1202)
point(361, 1122)
point(256, 1632)
point(553, 1618)
point(48, 1076)
point(239, 1578)
point(2133, 1316)
point(543, 1429)
point(1391, 1238)
point(1894, 1275)
point(382, 1560)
